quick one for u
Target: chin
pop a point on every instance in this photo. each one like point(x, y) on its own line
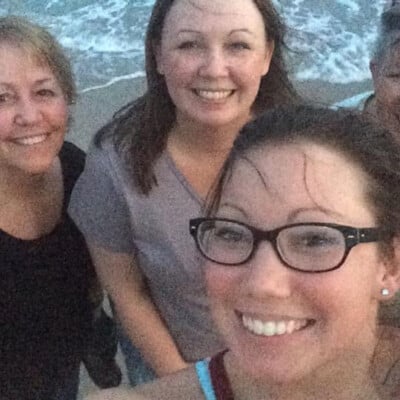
point(38, 168)
point(220, 120)
point(274, 372)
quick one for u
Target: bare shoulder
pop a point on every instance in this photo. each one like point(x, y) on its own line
point(180, 386)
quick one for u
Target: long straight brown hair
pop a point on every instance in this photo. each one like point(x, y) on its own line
point(140, 129)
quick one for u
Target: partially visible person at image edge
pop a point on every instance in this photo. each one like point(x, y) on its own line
point(47, 319)
point(384, 103)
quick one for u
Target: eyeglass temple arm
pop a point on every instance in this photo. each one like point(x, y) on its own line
point(369, 235)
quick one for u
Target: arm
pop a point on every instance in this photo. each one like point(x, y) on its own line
point(100, 210)
point(181, 386)
point(123, 281)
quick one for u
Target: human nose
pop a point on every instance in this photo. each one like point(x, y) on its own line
point(267, 275)
point(27, 112)
point(214, 64)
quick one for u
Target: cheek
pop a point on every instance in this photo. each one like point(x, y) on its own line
point(388, 93)
point(222, 283)
point(59, 114)
point(223, 289)
point(177, 68)
point(346, 296)
point(255, 67)
point(5, 124)
point(248, 77)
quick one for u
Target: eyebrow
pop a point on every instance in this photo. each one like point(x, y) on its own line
point(36, 83)
point(235, 207)
point(6, 85)
point(233, 31)
point(244, 30)
point(292, 217)
point(294, 214)
point(187, 31)
point(44, 80)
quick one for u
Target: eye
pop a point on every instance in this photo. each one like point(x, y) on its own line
point(189, 45)
point(45, 92)
point(6, 98)
point(240, 45)
point(228, 234)
point(314, 241)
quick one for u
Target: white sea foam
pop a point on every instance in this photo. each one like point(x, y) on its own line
point(114, 80)
point(332, 39)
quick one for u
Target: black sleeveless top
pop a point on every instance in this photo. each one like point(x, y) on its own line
point(44, 306)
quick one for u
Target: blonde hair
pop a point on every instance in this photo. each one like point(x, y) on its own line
point(38, 42)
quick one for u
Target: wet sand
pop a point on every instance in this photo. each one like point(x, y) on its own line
point(95, 107)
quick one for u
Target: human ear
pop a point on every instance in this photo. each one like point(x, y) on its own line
point(388, 286)
point(390, 278)
point(270, 47)
point(158, 58)
point(374, 68)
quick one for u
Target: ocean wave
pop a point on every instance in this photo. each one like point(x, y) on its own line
point(330, 40)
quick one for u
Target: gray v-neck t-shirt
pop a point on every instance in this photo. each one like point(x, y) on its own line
point(111, 213)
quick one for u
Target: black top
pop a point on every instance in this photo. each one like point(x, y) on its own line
point(44, 307)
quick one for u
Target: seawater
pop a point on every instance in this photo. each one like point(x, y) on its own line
point(329, 39)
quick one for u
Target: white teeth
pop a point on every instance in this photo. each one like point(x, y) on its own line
point(280, 328)
point(214, 94)
point(269, 328)
point(258, 327)
point(290, 327)
point(272, 328)
point(28, 141)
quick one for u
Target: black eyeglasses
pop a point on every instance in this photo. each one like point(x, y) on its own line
point(306, 247)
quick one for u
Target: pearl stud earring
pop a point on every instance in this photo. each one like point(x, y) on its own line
point(385, 292)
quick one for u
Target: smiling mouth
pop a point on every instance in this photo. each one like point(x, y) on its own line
point(213, 94)
point(275, 328)
point(31, 140)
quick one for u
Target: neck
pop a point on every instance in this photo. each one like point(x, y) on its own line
point(16, 184)
point(205, 139)
point(348, 381)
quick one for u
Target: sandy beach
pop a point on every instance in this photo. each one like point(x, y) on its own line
point(95, 107)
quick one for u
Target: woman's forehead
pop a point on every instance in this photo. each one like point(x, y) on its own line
point(298, 175)
point(25, 50)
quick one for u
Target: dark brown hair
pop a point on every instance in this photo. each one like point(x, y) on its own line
point(388, 34)
point(367, 145)
point(140, 129)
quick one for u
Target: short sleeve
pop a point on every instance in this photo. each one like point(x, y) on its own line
point(97, 204)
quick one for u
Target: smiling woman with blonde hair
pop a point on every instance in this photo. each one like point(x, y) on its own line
point(45, 312)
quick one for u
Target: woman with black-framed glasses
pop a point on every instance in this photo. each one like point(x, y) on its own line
point(307, 247)
point(301, 246)
point(301, 241)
